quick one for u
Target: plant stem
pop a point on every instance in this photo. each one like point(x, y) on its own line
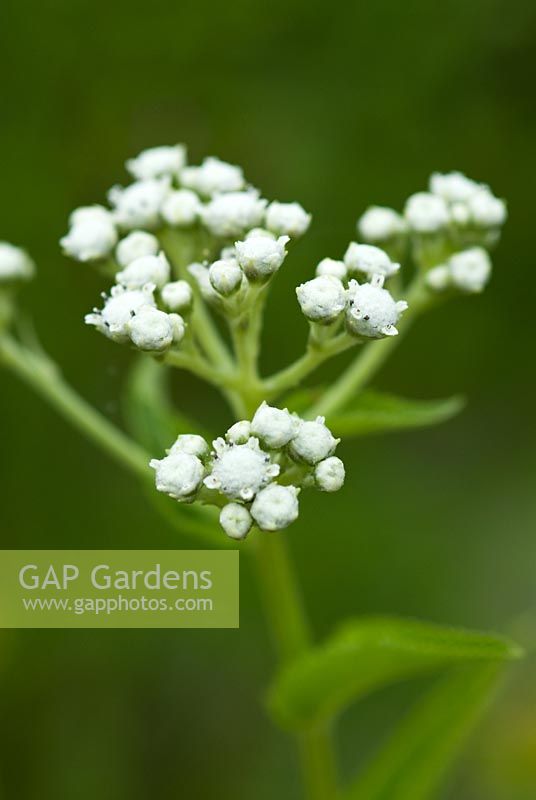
point(292, 636)
point(371, 358)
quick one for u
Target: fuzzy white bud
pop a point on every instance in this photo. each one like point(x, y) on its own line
point(288, 219)
point(177, 296)
point(470, 270)
point(275, 507)
point(156, 162)
point(454, 187)
point(89, 213)
point(93, 236)
point(236, 521)
point(213, 177)
point(329, 267)
point(260, 232)
point(138, 205)
point(322, 299)
point(329, 474)
point(153, 330)
point(136, 245)
point(313, 442)
point(275, 427)
point(369, 260)
point(438, 278)
point(233, 213)
point(373, 312)
point(181, 208)
point(486, 210)
point(15, 264)
point(179, 475)
point(261, 256)
point(200, 273)
point(379, 224)
point(225, 276)
point(426, 213)
point(240, 432)
point(190, 443)
point(147, 269)
point(114, 318)
point(240, 471)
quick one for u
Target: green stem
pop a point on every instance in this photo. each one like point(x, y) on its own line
point(371, 358)
point(198, 366)
point(292, 636)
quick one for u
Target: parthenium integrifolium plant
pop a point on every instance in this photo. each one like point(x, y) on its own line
point(192, 252)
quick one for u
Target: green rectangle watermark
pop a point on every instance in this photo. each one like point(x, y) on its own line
point(119, 589)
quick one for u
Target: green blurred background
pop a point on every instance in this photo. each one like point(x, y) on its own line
point(336, 105)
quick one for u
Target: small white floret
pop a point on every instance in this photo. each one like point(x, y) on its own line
point(239, 433)
point(379, 223)
point(200, 273)
point(275, 507)
point(119, 308)
point(147, 269)
point(287, 219)
point(260, 232)
point(88, 214)
point(179, 475)
point(313, 442)
point(190, 443)
point(322, 299)
point(135, 245)
point(213, 177)
point(486, 210)
point(236, 521)
point(373, 312)
point(240, 471)
point(426, 213)
point(438, 278)
point(275, 427)
point(138, 205)
point(369, 260)
point(261, 256)
point(92, 237)
point(470, 269)
point(225, 276)
point(454, 187)
point(233, 213)
point(15, 263)
point(329, 474)
point(155, 162)
point(181, 208)
point(177, 296)
point(153, 330)
point(333, 268)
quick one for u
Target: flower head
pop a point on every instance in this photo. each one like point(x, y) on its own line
point(470, 270)
point(225, 276)
point(287, 219)
point(92, 234)
point(426, 213)
point(235, 520)
point(15, 264)
point(146, 269)
point(275, 427)
point(369, 260)
point(322, 299)
point(379, 224)
point(329, 267)
point(138, 205)
point(114, 318)
point(157, 162)
point(181, 208)
point(275, 507)
point(153, 330)
point(177, 296)
point(313, 442)
point(233, 213)
point(373, 312)
point(454, 187)
point(486, 210)
point(261, 255)
point(213, 177)
point(135, 245)
point(179, 475)
point(190, 443)
point(329, 474)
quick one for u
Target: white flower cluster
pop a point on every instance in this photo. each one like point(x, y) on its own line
point(367, 309)
point(168, 192)
point(15, 264)
point(452, 202)
point(256, 471)
point(468, 271)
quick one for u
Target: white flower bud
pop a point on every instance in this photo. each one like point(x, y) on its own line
point(147, 269)
point(485, 210)
point(426, 213)
point(380, 223)
point(155, 162)
point(179, 475)
point(459, 214)
point(138, 205)
point(369, 260)
point(190, 443)
point(181, 208)
point(15, 264)
point(454, 187)
point(275, 427)
point(240, 471)
point(177, 296)
point(313, 443)
point(438, 278)
point(236, 521)
point(322, 299)
point(228, 253)
point(330, 474)
point(153, 330)
point(259, 232)
point(275, 507)
point(470, 269)
point(330, 267)
point(261, 256)
point(88, 214)
point(233, 213)
point(92, 237)
point(213, 177)
point(200, 273)
point(373, 313)
point(287, 219)
point(114, 319)
point(240, 432)
point(225, 277)
point(136, 245)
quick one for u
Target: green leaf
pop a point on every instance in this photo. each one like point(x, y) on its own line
point(148, 411)
point(373, 412)
point(416, 757)
point(366, 654)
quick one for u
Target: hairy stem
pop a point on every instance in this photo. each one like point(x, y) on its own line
point(291, 634)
